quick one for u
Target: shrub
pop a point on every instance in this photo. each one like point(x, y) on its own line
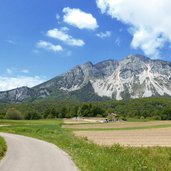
point(1, 116)
point(50, 116)
point(157, 117)
point(32, 115)
point(99, 116)
point(14, 114)
point(142, 117)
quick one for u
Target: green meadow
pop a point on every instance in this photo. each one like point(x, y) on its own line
point(89, 156)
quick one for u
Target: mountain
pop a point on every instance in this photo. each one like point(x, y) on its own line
point(135, 76)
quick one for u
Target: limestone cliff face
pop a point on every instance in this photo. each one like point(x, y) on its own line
point(135, 76)
point(17, 95)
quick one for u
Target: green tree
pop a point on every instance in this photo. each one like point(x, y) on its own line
point(14, 114)
point(32, 114)
point(166, 114)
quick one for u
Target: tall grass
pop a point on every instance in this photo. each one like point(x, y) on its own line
point(91, 157)
point(3, 147)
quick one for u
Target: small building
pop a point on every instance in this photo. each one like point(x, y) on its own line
point(112, 117)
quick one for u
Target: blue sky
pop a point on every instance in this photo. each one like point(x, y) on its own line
point(42, 39)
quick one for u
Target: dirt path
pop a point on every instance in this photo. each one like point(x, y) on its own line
point(146, 137)
point(29, 154)
point(118, 125)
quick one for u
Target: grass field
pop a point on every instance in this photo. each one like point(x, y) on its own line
point(3, 147)
point(89, 156)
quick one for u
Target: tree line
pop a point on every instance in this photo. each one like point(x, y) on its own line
point(158, 108)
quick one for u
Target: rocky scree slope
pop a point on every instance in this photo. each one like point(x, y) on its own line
point(135, 76)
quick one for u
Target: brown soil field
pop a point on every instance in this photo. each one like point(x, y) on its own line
point(114, 124)
point(146, 137)
point(82, 120)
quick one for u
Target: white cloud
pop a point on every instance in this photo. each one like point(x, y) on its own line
point(69, 53)
point(149, 21)
point(13, 71)
point(121, 30)
point(10, 42)
point(25, 71)
point(64, 29)
point(8, 83)
point(9, 71)
point(79, 19)
point(63, 36)
point(118, 41)
point(58, 16)
point(36, 51)
point(49, 46)
point(104, 34)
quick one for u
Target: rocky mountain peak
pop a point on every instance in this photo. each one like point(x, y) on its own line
point(107, 67)
point(87, 65)
point(137, 58)
point(135, 76)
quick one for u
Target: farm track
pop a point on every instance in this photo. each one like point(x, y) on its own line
point(29, 154)
point(116, 125)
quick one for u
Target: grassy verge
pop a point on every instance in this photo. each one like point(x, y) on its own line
point(3, 147)
point(91, 157)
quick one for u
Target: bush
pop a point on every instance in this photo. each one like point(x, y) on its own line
point(1, 116)
point(14, 114)
point(99, 116)
point(157, 117)
point(32, 115)
point(50, 116)
point(124, 118)
point(142, 117)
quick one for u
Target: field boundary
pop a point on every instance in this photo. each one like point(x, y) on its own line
point(115, 129)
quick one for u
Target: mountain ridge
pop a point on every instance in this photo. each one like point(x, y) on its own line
point(135, 76)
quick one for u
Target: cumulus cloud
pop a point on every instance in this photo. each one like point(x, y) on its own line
point(104, 34)
point(58, 16)
point(13, 71)
point(64, 29)
point(149, 21)
point(25, 71)
point(9, 71)
point(35, 51)
point(8, 83)
point(79, 19)
point(63, 36)
point(49, 46)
